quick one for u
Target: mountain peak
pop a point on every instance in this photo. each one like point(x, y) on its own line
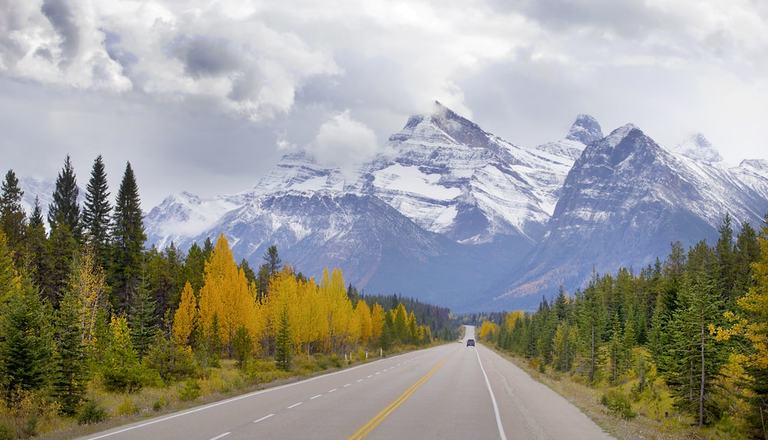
point(697, 147)
point(620, 133)
point(585, 129)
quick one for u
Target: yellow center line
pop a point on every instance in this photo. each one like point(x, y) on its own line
point(376, 420)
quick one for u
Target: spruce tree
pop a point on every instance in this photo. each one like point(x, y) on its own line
point(726, 261)
point(61, 252)
point(8, 277)
point(142, 320)
point(96, 213)
point(12, 215)
point(25, 342)
point(37, 248)
point(64, 209)
point(69, 360)
point(129, 237)
point(283, 346)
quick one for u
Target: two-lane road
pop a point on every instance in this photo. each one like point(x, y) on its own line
point(446, 392)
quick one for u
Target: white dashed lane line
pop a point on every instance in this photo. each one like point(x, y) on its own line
point(295, 405)
point(221, 436)
point(359, 380)
point(332, 390)
point(315, 396)
point(347, 385)
point(263, 418)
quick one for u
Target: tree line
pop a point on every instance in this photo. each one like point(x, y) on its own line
point(697, 321)
point(84, 302)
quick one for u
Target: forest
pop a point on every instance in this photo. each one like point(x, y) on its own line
point(92, 323)
point(684, 337)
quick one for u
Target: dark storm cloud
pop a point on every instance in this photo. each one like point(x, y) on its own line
point(206, 56)
point(63, 20)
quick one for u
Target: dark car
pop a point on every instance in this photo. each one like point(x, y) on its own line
point(470, 342)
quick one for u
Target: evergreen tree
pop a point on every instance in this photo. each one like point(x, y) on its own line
point(96, 213)
point(25, 342)
point(243, 346)
point(12, 216)
point(283, 347)
point(120, 368)
point(9, 280)
point(697, 355)
point(61, 252)
point(64, 209)
point(726, 261)
point(129, 236)
point(194, 267)
point(69, 361)
point(142, 320)
point(272, 260)
point(37, 249)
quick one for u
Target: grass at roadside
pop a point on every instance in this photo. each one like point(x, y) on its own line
point(211, 385)
point(647, 415)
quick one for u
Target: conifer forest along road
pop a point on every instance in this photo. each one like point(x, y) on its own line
point(446, 392)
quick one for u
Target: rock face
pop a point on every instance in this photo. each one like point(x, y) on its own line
point(624, 201)
point(458, 216)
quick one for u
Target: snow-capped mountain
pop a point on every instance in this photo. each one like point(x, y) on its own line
point(43, 190)
point(626, 199)
point(697, 147)
point(456, 215)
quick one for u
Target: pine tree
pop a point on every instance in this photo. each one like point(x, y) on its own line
point(726, 261)
point(9, 279)
point(697, 356)
point(64, 209)
point(25, 342)
point(120, 368)
point(96, 213)
point(37, 249)
point(142, 320)
point(283, 348)
point(69, 361)
point(12, 216)
point(194, 267)
point(62, 252)
point(129, 236)
point(243, 346)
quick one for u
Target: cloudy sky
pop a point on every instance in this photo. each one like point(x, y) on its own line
point(205, 95)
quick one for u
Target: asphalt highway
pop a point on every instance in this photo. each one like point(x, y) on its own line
point(447, 392)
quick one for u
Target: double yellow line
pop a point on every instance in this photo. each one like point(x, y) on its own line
point(374, 422)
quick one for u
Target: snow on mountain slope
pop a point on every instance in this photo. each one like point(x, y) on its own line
point(698, 148)
point(625, 200)
point(452, 177)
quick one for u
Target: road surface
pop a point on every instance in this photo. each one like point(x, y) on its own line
point(446, 392)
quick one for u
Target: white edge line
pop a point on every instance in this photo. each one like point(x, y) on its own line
point(295, 405)
point(263, 418)
point(315, 396)
point(221, 436)
point(502, 435)
point(241, 397)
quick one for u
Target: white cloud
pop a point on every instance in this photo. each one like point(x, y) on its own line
point(344, 142)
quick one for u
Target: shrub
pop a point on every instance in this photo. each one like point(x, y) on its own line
point(127, 407)
point(91, 412)
point(159, 404)
point(171, 361)
point(618, 403)
point(6, 433)
point(190, 390)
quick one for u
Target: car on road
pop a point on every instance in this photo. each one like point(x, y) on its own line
point(470, 342)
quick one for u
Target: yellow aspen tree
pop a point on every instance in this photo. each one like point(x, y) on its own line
point(363, 314)
point(338, 310)
point(88, 282)
point(185, 316)
point(227, 295)
point(377, 321)
point(413, 330)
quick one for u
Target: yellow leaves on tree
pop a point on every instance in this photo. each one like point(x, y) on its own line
point(377, 321)
point(751, 321)
point(336, 307)
point(227, 295)
point(488, 330)
point(185, 316)
point(88, 283)
point(364, 322)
